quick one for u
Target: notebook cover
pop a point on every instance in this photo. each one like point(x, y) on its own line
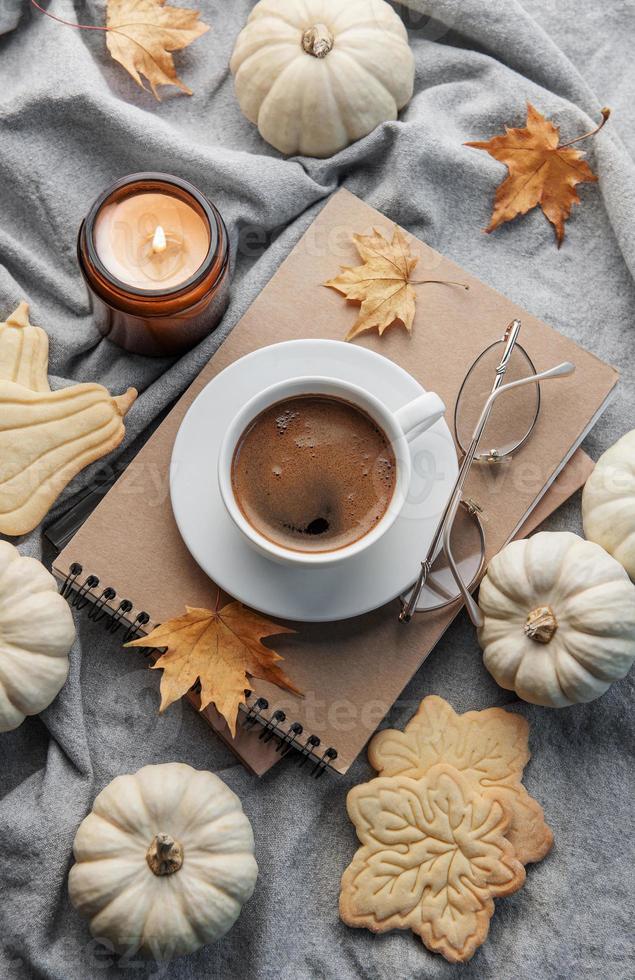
point(351, 671)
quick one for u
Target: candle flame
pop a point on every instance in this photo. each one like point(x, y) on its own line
point(159, 243)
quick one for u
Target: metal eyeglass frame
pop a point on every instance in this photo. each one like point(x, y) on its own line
point(442, 533)
point(510, 342)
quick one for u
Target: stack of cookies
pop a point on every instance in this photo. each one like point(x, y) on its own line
point(446, 827)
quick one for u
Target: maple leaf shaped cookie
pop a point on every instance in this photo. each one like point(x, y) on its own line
point(223, 649)
point(541, 171)
point(434, 856)
point(490, 748)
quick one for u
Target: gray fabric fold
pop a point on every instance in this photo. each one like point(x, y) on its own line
point(10, 15)
point(71, 122)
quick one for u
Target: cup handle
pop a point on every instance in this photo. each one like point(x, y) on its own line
point(418, 415)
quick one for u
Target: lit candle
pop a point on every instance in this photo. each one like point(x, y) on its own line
point(154, 253)
point(159, 241)
point(151, 241)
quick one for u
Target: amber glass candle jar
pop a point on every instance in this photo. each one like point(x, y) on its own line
point(154, 253)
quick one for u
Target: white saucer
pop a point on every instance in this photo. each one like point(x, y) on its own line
point(358, 585)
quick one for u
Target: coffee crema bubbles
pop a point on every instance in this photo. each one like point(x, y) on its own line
point(313, 473)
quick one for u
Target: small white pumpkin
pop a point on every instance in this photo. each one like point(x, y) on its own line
point(36, 634)
point(608, 502)
point(316, 75)
point(559, 619)
point(165, 861)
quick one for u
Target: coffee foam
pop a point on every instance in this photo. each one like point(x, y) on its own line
point(313, 473)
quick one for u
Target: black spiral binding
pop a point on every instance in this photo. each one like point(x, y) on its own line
point(290, 738)
point(79, 594)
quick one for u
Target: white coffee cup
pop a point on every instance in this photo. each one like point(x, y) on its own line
point(399, 427)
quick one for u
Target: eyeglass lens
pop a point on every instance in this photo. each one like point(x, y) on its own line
point(513, 416)
point(466, 542)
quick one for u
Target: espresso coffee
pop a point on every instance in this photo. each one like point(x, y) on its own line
point(313, 473)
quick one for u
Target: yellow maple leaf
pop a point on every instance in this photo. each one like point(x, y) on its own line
point(141, 34)
point(383, 284)
point(222, 649)
point(542, 171)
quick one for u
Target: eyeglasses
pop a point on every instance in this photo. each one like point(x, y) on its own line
point(487, 431)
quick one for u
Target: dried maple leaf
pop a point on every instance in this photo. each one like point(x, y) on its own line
point(383, 284)
point(222, 648)
point(541, 171)
point(434, 857)
point(142, 33)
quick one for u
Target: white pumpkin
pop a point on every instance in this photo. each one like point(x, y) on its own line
point(36, 634)
point(608, 502)
point(316, 75)
point(165, 861)
point(559, 619)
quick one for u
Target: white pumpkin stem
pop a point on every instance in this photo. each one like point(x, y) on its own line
point(541, 624)
point(318, 41)
point(164, 856)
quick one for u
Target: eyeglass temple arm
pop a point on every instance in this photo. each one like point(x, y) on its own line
point(471, 605)
point(559, 371)
point(409, 609)
point(509, 338)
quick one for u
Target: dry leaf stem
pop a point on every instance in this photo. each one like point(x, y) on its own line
point(69, 23)
point(606, 112)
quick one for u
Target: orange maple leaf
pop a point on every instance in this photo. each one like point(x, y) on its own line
point(541, 171)
point(220, 647)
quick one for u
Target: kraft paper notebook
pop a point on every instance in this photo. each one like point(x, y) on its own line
point(351, 671)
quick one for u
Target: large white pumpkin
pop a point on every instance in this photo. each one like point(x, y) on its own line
point(165, 861)
point(559, 619)
point(608, 502)
point(36, 634)
point(316, 75)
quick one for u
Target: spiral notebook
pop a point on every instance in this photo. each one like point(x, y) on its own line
point(129, 567)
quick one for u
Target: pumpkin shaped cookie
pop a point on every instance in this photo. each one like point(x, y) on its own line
point(24, 351)
point(46, 437)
